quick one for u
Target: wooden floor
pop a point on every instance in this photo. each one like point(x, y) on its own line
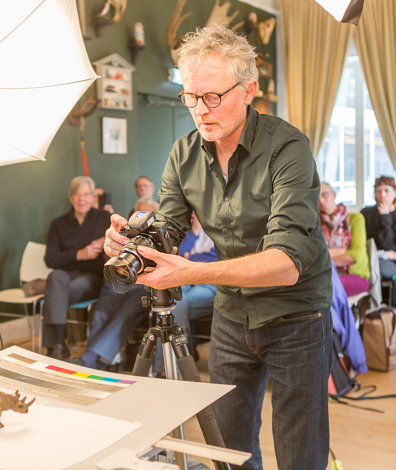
point(360, 439)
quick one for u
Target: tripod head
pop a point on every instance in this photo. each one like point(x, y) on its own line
point(162, 300)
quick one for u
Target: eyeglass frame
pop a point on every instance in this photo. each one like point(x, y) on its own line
point(202, 97)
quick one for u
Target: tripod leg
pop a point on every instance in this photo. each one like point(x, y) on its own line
point(171, 373)
point(206, 419)
point(169, 361)
point(144, 359)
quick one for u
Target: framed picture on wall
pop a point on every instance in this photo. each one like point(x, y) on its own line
point(114, 134)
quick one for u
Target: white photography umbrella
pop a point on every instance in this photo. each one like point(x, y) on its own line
point(44, 71)
point(345, 11)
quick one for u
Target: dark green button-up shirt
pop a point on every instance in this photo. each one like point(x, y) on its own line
point(270, 201)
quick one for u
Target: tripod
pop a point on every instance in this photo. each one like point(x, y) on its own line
point(173, 339)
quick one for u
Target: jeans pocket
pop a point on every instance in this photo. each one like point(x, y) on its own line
point(297, 317)
point(310, 318)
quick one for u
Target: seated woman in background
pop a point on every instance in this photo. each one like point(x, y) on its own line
point(345, 235)
point(381, 224)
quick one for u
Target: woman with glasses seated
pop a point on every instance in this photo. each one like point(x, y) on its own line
point(345, 235)
point(381, 224)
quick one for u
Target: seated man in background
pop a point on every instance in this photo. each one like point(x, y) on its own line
point(381, 224)
point(115, 317)
point(75, 252)
point(144, 188)
point(345, 235)
point(197, 299)
point(96, 202)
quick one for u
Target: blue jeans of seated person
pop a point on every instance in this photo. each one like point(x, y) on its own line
point(115, 317)
point(65, 288)
point(197, 302)
point(296, 353)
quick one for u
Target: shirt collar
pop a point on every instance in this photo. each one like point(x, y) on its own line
point(247, 135)
point(249, 130)
point(73, 217)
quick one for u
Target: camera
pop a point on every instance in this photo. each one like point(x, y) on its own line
point(142, 230)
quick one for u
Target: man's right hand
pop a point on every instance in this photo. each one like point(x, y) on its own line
point(114, 242)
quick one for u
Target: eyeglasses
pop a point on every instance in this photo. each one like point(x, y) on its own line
point(211, 100)
point(81, 195)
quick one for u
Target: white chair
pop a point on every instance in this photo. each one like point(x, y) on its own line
point(32, 267)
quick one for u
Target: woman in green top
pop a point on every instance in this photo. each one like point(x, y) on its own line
point(345, 235)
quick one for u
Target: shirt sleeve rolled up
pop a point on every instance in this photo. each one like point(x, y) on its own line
point(294, 203)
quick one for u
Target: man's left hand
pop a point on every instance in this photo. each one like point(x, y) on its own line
point(171, 270)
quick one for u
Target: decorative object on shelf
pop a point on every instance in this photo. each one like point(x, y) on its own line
point(114, 134)
point(264, 67)
point(219, 15)
point(100, 20)
point(83, 109)
point(137, 42)
point(13, 402)
point(251, 23)
point(271, 92)
point(115, 85)
point(264, 29)
point(262, 102)
point(262, 106)
point(83, 18)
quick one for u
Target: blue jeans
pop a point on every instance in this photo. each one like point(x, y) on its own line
point(296, 353)
point(115, 317)
point(197, 302)
point(65, 288)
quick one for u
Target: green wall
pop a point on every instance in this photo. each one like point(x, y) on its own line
point(33, 194)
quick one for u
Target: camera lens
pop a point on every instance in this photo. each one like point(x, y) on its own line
point(123, 270)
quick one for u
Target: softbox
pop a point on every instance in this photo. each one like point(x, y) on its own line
point(345, 11)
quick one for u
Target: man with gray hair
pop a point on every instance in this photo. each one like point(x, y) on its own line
point(252, 181)
point(75, 252)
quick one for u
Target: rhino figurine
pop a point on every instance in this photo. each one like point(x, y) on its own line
point(13, 402)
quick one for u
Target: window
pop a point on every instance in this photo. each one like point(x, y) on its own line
point(353, 153)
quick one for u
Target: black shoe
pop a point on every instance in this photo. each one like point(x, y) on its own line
point(101, 365)
point(160, 374)
point(60, 352)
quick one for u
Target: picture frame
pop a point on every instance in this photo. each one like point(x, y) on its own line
point(114, 135)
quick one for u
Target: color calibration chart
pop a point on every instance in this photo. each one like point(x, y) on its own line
point(57, 383)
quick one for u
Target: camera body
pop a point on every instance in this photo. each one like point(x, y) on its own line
point(142, 230)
